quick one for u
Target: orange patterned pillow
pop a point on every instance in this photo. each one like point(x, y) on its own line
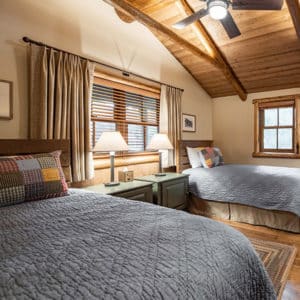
point(211, 157)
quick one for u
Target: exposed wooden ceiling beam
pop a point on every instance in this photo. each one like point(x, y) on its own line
point(213, 49)
point(124, 17)
point(294, 9)
point(155, 26)
point(126, 7)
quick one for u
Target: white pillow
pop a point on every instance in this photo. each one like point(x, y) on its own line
point(194, 157)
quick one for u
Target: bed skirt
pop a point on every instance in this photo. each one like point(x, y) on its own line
point(246, 214)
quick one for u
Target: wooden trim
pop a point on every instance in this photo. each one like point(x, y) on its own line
point(126, 87)
point(294, 9)
point(256, 128)
point(124, 161)
point(213, 49)
point(133, 154)
point(11, 101)
point(278, 102)
point(275, 155)
point(275, 99)
point(297, 129)
point(130, 83)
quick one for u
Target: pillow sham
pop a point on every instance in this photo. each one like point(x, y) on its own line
point(193, 156)
point(211, 157)
point(31, 177)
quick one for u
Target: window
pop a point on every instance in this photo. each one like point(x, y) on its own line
point(132, 111)
point(276, 122)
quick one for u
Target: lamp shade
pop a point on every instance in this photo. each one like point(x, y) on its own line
point(110, 141)
point(160, 141)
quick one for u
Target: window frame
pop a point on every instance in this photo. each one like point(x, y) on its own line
point(123, 86)
point(276, 102)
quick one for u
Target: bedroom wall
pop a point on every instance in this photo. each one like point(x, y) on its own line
point(233, 122)
point(89, 28)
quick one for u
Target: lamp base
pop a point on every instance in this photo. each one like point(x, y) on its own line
point(115, 183)
point(160, 174)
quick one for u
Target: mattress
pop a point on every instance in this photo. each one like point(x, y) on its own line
point(92, 246)
point(273, 188)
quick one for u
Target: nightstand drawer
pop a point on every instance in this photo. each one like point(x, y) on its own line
point(143, 194)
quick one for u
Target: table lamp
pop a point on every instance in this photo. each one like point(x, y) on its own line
point(111, 141)
point(160, 141)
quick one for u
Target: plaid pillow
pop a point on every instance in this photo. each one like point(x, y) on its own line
point(31, 177)
point(211, 157)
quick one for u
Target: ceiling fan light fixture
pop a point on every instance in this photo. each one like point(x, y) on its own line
point(217, 9)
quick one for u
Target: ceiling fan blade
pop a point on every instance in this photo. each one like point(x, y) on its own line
point(257, 4)
point(190, 19)
point(230, 26)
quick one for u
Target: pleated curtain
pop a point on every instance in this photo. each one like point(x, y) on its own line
point(60, 90)
point(170, 121)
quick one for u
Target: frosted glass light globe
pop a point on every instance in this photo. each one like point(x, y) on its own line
point(217, 9)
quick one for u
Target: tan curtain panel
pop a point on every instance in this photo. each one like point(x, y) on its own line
point(60, 89)
point(170, 120)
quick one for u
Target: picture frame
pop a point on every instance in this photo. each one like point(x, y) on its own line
point(6, 100)
point(188, 123)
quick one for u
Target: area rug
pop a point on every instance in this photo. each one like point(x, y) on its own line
point(277, 259)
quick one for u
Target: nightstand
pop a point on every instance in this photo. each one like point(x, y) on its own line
point(134, 190)
point(170, 190)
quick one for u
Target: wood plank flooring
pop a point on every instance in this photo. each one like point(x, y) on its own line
point(292, 289)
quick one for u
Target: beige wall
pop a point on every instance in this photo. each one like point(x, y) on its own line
point(233, 122)
point(89, 28)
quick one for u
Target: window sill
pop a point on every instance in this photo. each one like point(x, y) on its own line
point(125, 155)
point(276, 155)
point(103, 161)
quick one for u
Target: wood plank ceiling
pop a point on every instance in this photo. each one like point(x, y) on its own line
point(265, 57)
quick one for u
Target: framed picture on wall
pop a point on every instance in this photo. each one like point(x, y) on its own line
point(6, 100)
point(188, 123)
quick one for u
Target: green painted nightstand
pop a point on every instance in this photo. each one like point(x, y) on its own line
point(170, 190)
point(134, 190)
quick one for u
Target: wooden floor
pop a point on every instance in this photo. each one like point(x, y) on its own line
point(292, 289)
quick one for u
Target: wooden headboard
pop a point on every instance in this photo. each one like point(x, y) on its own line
point(182, 161)
point(21, 147)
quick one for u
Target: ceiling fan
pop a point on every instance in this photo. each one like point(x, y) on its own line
point(218, 10)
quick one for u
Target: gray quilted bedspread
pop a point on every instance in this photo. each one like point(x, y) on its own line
point(90, 246)
point(275, 188)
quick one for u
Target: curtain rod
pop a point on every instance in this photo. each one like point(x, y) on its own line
point(124, 73)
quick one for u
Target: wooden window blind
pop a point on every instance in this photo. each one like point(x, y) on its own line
point(131, 110)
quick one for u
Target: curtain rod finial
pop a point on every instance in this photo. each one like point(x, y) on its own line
point(26, 39)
